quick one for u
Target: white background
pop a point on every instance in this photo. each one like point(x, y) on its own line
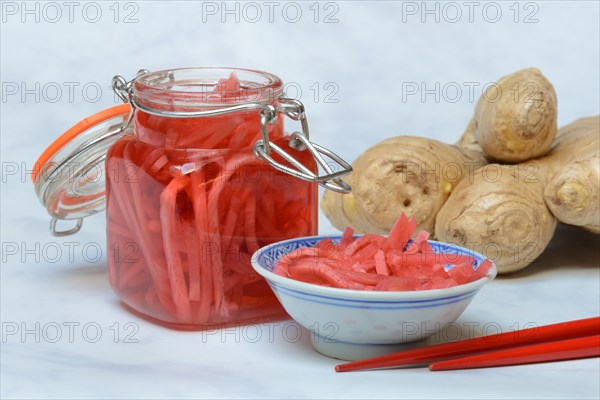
point(369, 53)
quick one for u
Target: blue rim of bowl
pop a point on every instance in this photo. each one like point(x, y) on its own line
point(365, 294)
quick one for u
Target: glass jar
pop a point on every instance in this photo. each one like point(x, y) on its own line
point(198, 175)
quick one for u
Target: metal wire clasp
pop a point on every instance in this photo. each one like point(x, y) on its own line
point(124, 88)
point(269, 114)
point(294, 109)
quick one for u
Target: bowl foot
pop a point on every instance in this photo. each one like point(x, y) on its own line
point(356, 351)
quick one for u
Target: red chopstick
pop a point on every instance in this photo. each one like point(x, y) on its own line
point(571, 349)
point(548, 333)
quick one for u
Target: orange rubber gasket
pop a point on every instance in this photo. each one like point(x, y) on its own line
point(75, 130)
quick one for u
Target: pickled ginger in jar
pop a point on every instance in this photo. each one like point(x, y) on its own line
point(196, 173)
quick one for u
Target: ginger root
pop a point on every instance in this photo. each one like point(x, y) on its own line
point(405, 174)
point(573, 192)
point(515, 120)
point(415, 176)
point(502, 211)
point(507, 212)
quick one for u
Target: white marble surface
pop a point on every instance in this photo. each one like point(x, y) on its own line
point(370, 54)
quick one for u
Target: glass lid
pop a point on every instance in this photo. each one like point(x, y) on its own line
point(69, 176)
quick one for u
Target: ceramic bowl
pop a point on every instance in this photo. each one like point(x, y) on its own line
point(355, 324)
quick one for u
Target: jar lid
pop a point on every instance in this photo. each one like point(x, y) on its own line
point(69, 176)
